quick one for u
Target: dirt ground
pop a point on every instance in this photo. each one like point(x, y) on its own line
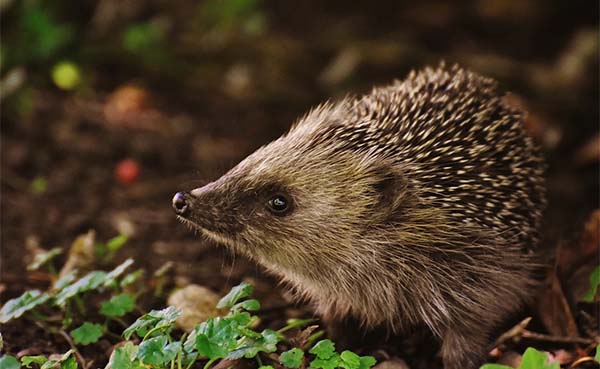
point(212, 91)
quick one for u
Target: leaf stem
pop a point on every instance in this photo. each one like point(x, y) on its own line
point(152, 331)
point(78, 356)
point(209, 363)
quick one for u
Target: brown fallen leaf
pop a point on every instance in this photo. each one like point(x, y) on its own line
point(589, 242)
point(131, 106)
point(554, 310)
point(81, 254)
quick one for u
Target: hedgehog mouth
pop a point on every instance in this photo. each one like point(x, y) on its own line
point(212, 235)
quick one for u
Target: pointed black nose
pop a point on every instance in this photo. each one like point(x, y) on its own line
point(180, 204)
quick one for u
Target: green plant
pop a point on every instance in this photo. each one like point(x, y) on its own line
point(65, 297)
point(66, 75)
point(64, 308)
point(65, 361)
point(246, 16)
point(231, 337)
point(594, 284)
point(86, 307)
point(532, 359)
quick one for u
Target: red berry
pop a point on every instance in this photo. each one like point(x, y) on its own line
point(127, 171)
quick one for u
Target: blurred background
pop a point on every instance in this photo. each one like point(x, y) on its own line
point(109, 107)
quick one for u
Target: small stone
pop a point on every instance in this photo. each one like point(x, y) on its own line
point(510, 358)
point(197, 304)
point(394, 363)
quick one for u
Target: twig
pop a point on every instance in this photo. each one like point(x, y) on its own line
point(65, 335)
point(556, 339)
point(515, 331)
point(78, 356)
point(578, 362)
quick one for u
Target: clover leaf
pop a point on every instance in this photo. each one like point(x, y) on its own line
point(292, 358)
point(16, 307)
point(157, 350)
point(156, 320)
point(118, 305)
point(87, 333)
point(237, 293)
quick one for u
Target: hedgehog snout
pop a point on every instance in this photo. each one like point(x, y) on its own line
point(181, 203)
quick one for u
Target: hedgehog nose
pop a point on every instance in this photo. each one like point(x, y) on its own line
point(180, 204)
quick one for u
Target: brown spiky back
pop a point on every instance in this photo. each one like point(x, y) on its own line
point(460, 145)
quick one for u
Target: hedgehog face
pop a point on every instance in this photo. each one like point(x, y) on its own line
point(273, 207)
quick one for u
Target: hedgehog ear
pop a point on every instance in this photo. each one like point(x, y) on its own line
point(391, 188)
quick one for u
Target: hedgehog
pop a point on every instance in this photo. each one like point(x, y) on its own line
point(416, 204)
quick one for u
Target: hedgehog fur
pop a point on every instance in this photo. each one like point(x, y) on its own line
point(415, 204)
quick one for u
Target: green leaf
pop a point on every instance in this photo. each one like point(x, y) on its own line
point(111, 277)
point(331, 362)
point(250, 345)
point(39, 185)
point(250, 305)
point(65, 280)
point(116, 243)
point(188, 357)
point(87, 333)
point(597, 356)
point(9, 362)
point(594, 284)
point(366, 362)
point(43, 258)
point(237, 293)
point(324, 349)
point(266, 367)
point(349, 360)
point(295, 323)
point(66, 361)
point(16, 307)
point(243, 319)
point(292, 358)
point(70, 363)
point(66, 75)
point(216, 337)
point(131, 277)
point(143, 39)
point(124, 357)
point(37, 359)
point(158, 351)
point(118, 305)
point(159, 320)
point(43, 36)
point(534, 359)
point(90, 281)
point(495, 366)
point(211, 350)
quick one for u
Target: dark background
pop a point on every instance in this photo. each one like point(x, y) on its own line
point(186, 89)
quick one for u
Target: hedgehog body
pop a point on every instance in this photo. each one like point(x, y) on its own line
point(414, 204)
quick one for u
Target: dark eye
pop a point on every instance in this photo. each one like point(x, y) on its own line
point(278, 204)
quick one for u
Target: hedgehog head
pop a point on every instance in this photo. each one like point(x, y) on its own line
point(301, 202)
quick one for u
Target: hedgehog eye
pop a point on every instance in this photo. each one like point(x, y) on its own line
point(278, 204)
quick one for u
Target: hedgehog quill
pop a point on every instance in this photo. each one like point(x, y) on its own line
point(418, 203)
